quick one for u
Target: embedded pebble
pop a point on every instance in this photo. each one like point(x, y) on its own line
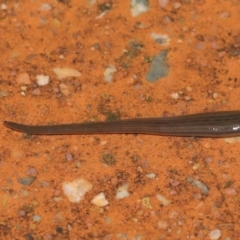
point(230, 191)
point(23, 78)
point(163, 224)
point(122, 192)
point(175, 96)
point(232, 140)
point(69, 157)
point(76, 189)
point(215, 95)
point(42, 80)
point(64, 89)
point(177, 5)
point(151, 175)
point(161, 38)
point(159, 67)
point(36, 91)
point(163, 3)
point(45, 7)
point(196, 183)
point(138, 7)
point(108, 73)
point(214, 234)
point(100, 200)
point(208, 160)
point(4, 93)
point(3, 6)
point(22, 213)
point(66, 72)
point(224, 14)
point(162, 199)
point(32, 171)
point(146, 202)
point(26, 181)
point(36, 218)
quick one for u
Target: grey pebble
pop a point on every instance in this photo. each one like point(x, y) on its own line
point(26, 180)
point(196, 183)
point(159, 67)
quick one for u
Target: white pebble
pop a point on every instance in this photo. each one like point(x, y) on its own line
point(151, 175)
point(138, 7)
point(100, 200)
point(215, 234)
point(36, 218)
point(175, 95)
point(42, 80)
point(108, 73)
point(122, 191)
point(162, 199)
point(3, 6)
point(76, 189)
point(66, 72)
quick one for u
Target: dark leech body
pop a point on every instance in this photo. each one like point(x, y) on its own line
point(215, 124)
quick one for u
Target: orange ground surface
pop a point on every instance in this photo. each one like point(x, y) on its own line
point(204, 68)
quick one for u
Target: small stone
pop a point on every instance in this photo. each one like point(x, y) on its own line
point(146, 202)
point(230, 191)
point(22, 213)
point(177, 5)
point(23, 78)
point(28, 236)
point(66, 72)
point(122, 191)
point(159, 67)
point(32, 171)
point(64, 89)
point(45, 7)
point(36, 91)
point(224, 14)
point(214, 234)
point(69, 157)
point(100, 200)
point(162, 199)
point(36, 218)
point(196, 183)
point(3, 6)
point(76, 189)
point(4, 93)
point(163, 224)
point(26, 181)
point(151, 175)
point(138, 7)
point(48, 236)
point(108, 73)
point(175, 96)
point(42, 80)
point(163, 3)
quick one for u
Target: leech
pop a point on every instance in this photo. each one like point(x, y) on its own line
point(214, 124)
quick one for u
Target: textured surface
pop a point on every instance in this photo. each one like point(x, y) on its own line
point(202, 40)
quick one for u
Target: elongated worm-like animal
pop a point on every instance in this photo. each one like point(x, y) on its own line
point(213, 124)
